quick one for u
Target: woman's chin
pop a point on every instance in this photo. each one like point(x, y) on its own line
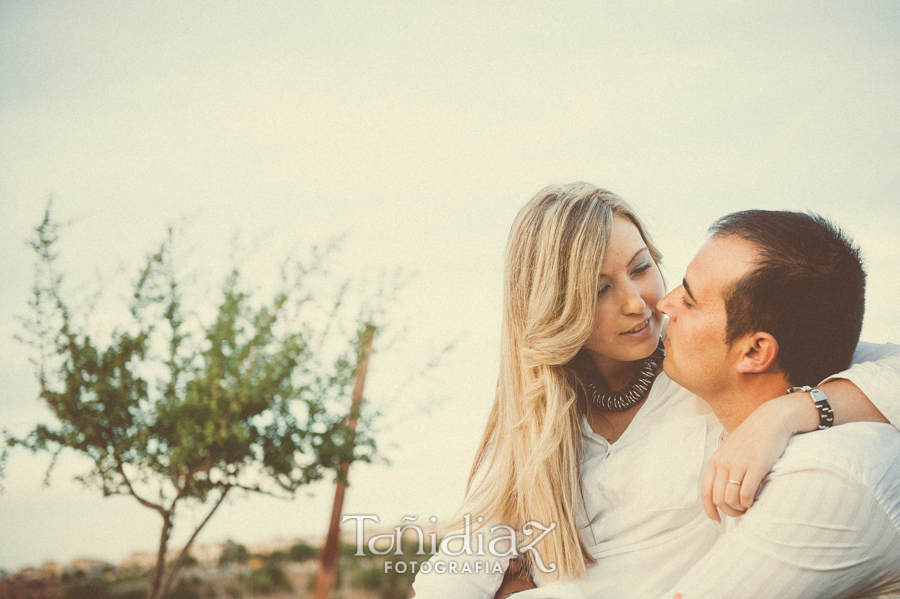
point(649, 342)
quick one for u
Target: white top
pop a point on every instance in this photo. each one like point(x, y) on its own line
point(642, 515)
point(647, 525)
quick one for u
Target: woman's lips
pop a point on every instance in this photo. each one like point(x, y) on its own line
point(638, 329)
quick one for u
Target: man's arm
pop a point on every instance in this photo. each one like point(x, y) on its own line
point(515, 579)
point(811, 533)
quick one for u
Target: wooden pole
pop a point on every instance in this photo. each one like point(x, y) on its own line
point(331, 552)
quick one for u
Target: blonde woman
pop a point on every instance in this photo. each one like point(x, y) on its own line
point(581, 401)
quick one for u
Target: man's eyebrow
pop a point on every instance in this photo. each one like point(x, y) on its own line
point(688, 290)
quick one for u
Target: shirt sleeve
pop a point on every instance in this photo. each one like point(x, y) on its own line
point(812, 533)
point(468, 571)
point(876, 371)
point(452, 579)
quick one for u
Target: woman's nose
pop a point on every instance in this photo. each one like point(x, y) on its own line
point(634, 303)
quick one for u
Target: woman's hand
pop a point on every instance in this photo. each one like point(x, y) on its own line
point(747, 454)
point(516, 579)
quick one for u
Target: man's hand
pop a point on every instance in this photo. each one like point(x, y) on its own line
point(516, 579)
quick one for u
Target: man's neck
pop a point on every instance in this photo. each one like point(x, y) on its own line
point(748, 393)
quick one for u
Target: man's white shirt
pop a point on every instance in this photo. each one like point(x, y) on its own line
point(826, 524)
point(642, 519)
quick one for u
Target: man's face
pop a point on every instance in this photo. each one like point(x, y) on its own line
point(697, 355)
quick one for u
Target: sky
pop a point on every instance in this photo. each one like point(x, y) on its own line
point(413, 132)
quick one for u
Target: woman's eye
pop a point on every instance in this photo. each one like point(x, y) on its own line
point(685, 303)
point(642, 268)
point(603, 289)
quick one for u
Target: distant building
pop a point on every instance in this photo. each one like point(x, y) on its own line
point(208, 555)
point(52, 570)
point(273, 546)
point(138, 562)
point(92, 568)
point(30, 583)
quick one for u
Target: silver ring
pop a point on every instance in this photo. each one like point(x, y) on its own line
point(734, 482)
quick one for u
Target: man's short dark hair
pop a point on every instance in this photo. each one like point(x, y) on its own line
point(807, 290)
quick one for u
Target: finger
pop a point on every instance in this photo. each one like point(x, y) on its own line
point(732, 496)
point(706, 492)
point(731, 513)
point(719, 488)
point(750, 487)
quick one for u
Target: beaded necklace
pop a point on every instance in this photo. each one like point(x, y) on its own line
point(615, 401)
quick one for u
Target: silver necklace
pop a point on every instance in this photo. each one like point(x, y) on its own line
point(615, 401)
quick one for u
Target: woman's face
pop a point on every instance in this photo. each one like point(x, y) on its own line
point(626, 321)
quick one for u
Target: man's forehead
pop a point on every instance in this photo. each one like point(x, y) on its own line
point(721, 261)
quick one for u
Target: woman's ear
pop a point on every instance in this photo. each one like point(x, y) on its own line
point(760, 353)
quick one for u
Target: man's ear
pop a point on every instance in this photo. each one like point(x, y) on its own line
point(759, 353)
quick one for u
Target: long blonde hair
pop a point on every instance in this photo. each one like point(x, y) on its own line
point(528, 463)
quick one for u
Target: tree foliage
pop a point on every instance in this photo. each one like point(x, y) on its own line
point(171, 409)
point(301, 552)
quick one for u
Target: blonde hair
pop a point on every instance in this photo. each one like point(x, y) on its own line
point(527, 467)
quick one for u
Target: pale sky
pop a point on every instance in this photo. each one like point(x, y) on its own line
point(417, 130)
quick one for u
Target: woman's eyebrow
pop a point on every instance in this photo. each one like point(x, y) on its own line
point(637, 253)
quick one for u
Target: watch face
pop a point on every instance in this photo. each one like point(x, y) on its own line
point(818, 395)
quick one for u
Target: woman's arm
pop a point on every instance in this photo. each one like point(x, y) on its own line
point(875, 371)
point(865, 392)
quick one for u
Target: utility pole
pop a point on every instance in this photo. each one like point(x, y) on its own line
point(330, 554)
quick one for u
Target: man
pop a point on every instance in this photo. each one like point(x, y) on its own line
point(775, 300)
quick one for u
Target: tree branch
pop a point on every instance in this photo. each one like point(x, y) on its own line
point(176, 565)
point(153, 506)
point(261, 491)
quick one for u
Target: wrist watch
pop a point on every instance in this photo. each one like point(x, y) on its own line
point(826, 414)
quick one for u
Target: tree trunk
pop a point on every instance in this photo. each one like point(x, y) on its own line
point(156, 591)
point(327, 573)
point(176, 565)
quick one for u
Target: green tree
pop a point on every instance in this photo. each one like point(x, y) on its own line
point(234, 553)
point(269, 579)
point(301, 552)
point(171, 409)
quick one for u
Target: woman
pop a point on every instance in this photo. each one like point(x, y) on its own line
point(579, 398)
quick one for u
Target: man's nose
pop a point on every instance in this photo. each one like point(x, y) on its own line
point(665, 304)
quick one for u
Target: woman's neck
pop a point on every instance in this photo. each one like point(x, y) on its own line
point(616, 373)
